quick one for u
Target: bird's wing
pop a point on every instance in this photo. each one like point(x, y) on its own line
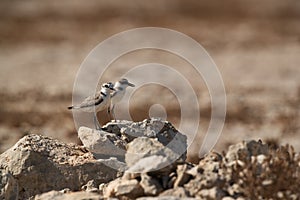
point(91, 101)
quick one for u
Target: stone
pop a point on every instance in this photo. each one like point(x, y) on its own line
point(131, 130)
point(8, 186)
point(166, 198)
point(194, 171)
point(234, 189)
point(91, 186)
point(114, 163)
point(158, 164)
point(143, 147)
point(170, 180)
point(211, 193)
point(176, 192)
point(109, 190)
point(182, 175)
point(122, 188)
point(48, 164)
point(163, 131)
point(129, 188)
point(58, 195)
point(227, 198)
point(150, 185)
point(102, 144)
point(207, 177)
point(245, 150)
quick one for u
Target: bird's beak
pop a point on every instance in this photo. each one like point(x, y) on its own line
point(131, 85)
point(113, 89)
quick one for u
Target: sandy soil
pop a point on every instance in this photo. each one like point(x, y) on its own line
point(256, 48)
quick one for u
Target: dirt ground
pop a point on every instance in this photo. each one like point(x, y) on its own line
point(256, 47)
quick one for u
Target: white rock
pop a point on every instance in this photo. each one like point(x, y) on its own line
point(102, 144)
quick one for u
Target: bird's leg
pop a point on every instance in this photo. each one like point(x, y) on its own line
point(95, 119)
point(108, 112)
point(96, 122)
point(113, 112)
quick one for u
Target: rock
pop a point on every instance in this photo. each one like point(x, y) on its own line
point(212, 193)
point(129, 188)
point(91, 186)
point(182, 175)
point(114, 164)
point(109, 190)
point(58, 195)
point(8, 186)
point(151, 128)
point(166, 198)
point(176, 192)
point(150, 185)
point(123, 189)
point(207, 176)
point(112, 142)
point(243, 151)
point(211, 163)
point(143, 147)
point(234, 190)
point(194, 171)
point(102, 144)
point(131, 130)
point(168, 181)
point(48, 164)
point(227, 198)
point(38, 164)
point(158, 164)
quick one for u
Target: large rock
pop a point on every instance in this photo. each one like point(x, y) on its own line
point(163, 131)
point(207, 175)
point(154, 150)
point(151, 163)
point(40, 164)
point(144, 148)
point(245, 150)
point(102, 144)
point(8, 186)
point(138, 140)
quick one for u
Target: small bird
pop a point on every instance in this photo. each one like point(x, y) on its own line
point(117, 95)
point(95, 103)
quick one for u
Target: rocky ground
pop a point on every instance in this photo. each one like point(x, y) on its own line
point(145, 160)
point(256, 48)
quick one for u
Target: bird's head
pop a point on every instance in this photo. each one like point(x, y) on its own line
point(109, 86)
point(125, 83)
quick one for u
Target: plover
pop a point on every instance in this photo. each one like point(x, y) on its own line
point(95, 103)
point(117, 95)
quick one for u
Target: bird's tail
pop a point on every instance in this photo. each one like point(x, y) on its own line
point(73, 107)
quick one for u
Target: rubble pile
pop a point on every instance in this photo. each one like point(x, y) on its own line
point(144, 160)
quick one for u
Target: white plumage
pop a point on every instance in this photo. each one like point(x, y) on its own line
point(117, 95)
point(95, 103)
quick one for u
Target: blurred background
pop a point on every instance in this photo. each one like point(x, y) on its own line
point(255, 44)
